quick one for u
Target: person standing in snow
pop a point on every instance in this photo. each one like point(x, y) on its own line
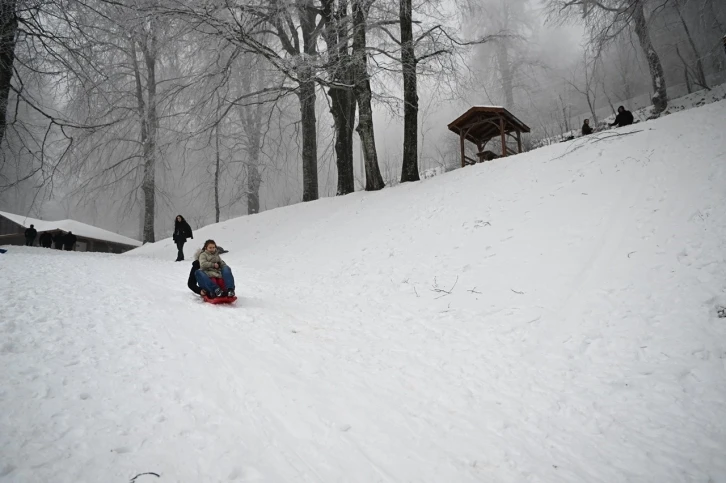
point(58, 241)
point(30, 235)
point(211, 266)
point(182, 231)
point(46, 240)
point(69, 241)
point(586, 128)
point(624, 118)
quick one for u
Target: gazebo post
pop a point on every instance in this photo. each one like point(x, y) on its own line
point(519, 140)
point(463, 150)
point(504, 139)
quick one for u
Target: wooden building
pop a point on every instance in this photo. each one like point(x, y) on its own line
point(481, 124)
point(89, 238)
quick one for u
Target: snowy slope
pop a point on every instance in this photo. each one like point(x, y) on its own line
point(550, 317)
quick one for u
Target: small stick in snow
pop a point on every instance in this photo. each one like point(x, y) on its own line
point(520, 293)
point(444, 291)
point(630, 254)
point(142, 474)
point(473, 291)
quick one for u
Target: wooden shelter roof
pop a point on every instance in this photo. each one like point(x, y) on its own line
point(481, 123)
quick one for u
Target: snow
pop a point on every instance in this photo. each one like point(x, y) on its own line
point(606, 115)
point(78, 228)
point(549, 317)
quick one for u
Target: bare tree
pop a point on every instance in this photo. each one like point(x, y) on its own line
point(363, 95)
point(8, 31)
point(588, 85)
point(342, 98)
point(606, 20)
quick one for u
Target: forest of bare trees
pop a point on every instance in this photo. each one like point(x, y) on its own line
point(126, 113)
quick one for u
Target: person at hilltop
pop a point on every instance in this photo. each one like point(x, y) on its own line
point(58, 240)
point(30, 235)
point(46, 239)
point(182, 231)
point(69, 241)
point(212, 266)
point(624, 118)
point(586, 128)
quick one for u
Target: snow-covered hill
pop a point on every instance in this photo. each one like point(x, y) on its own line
point(550, 317)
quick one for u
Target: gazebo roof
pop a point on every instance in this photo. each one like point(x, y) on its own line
point(483, 123)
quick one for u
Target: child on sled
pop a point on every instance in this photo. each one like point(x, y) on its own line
point(213, 272)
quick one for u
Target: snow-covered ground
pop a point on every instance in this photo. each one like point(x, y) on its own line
point(606, 115)
point(550, 317)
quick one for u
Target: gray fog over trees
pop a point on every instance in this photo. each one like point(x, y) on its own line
point(124, 114)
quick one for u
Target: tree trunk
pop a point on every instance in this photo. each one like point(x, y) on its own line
point(306, 94)
point(409, 171)
point(253, 181)
point(149, 184)
point(505, 70)
point(700, 74)
point(362, 89)
point(660, 96)
point(216, 170)
point(252, 120)
point(342, 100)
point(8, 30)
point(149, 125)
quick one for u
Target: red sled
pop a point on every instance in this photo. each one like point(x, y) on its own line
point(219, 300)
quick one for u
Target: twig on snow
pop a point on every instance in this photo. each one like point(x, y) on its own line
point(142, 474)
point(591, 139)
point(520, 293)
point(473, 290)
point(444, 291)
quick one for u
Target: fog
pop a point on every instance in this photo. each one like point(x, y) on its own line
point(133, 114)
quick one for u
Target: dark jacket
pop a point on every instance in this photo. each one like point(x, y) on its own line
point(58, 240)
point(624, 118)
point(31, 233)
point(586, 129)
point(46, 239)
point(192, 282)
point(69, 240)
point(182, 230)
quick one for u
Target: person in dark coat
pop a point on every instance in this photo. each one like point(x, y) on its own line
point(192, 282)
point(58, 241)
point(624, 118)
point(46, 240)
point(182, 231)
point(586, 128)
point(69, 241)
point(30, 235)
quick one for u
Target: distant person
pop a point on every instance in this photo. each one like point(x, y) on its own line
point(182, 231)
point(69, 241)
point(624, 118)
point(46, 240)
point(30, 235)
point(58, 241)
point(586, 128)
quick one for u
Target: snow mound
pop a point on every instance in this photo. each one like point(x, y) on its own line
point(548, 317)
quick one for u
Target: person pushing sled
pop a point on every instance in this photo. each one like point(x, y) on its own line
point(214, 277)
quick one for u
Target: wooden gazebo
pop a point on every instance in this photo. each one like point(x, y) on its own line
point(481, 124)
